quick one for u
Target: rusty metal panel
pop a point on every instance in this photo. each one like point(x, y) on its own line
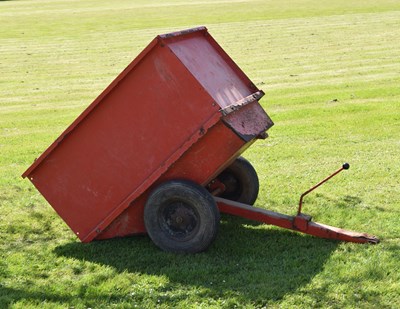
point(249, 122)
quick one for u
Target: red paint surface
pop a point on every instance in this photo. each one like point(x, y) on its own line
point(201, 163)
point(158, 120)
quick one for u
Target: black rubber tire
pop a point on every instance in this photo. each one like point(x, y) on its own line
point(241, 182)
point(182, 217)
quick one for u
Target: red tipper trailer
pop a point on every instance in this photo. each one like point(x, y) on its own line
point(160, 141)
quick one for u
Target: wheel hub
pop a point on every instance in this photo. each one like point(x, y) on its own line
point(179, 220)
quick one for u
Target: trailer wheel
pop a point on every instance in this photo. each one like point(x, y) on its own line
point(181, 216)
point(241, 182)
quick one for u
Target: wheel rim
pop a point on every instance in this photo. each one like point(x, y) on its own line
point(179, 220)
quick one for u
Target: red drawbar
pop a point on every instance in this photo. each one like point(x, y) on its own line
point(300, 223)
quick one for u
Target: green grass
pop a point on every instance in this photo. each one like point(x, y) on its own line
point(331, 73)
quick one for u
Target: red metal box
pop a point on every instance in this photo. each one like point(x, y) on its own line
point(182, 109)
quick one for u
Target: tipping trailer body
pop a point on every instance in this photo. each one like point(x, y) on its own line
point(181, 109)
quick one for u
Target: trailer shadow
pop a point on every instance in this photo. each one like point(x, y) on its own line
point(255, 263)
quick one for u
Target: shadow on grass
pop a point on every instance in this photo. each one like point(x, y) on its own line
point(9, 296)
point(256, 265)
point(247, 263)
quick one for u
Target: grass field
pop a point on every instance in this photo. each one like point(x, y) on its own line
point(331, 73)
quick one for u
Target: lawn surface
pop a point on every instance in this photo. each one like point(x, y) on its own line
point(331, 73)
